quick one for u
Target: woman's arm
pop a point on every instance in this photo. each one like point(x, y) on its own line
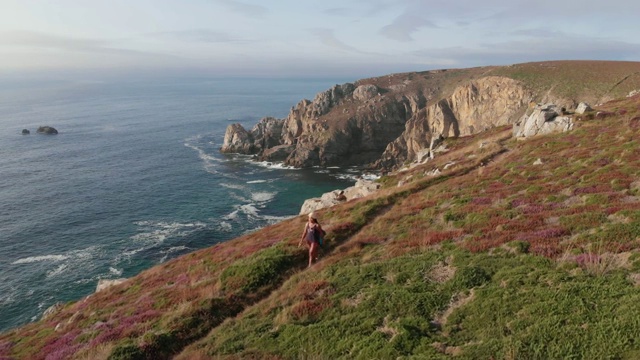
point(304, 232)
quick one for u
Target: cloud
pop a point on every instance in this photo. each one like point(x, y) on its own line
point(199, 35)
point(533, 49)
point(327, 38)
point(404, 26)
point(33, 49)
point(341, 11)
point(244, 8)
point(39, 40)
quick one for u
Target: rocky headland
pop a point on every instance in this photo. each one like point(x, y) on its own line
point(393, 120)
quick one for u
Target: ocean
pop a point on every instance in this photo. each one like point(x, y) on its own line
point(134, 178)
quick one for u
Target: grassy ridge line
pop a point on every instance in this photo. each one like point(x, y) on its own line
point(589, 81)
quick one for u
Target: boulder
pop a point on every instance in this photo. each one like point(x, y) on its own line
point(25, 132)
point(48, 130)
point(107, 283)
point(52, 310)
point(365, 92)
point(583, 108)
point(362, 188)
point(545, 119)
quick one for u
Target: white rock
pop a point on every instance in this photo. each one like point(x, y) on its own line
point(434, 172)
point(544, 119)
point(107, 283)
point(362, 188)
point(583, 108)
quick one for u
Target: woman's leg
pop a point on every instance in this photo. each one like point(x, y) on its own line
point(313, 251)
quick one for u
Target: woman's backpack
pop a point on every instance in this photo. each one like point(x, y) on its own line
point(318, 235)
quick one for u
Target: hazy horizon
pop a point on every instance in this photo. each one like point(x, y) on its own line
point(352, 38)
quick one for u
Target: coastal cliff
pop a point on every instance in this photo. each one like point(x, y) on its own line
point(390, 120)
point(489, 250)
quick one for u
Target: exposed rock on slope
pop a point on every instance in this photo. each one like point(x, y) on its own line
point(477, 106)
point(544, 119)
point(361, 189)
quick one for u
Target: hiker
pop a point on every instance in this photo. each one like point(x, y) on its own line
point(311, 235)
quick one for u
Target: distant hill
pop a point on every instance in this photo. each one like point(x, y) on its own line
point(510, 250)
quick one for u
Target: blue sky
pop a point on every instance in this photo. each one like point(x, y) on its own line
point(309, 38)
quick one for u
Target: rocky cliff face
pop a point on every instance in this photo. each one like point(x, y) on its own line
point(394, 119)
point(476, 106)
point(347, 124)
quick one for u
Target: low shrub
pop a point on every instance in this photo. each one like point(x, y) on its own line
point(263, 268)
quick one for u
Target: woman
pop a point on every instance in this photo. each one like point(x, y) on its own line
point(312, 231)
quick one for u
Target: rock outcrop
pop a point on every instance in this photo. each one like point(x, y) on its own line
point(397, 119)
point(362, 188)
point(48, 130)
point(52, 310)
point(545, 119)
point(477, 106)
point(237, 140)
point(107, 283)
point(264, 135)
point(583, 108)
point(344, 125)
point(26, 132)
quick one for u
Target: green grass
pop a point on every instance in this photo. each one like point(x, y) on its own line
point(493, 258)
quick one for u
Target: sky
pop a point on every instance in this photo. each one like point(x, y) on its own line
point(281, 38)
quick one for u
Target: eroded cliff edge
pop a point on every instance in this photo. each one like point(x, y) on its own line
point(391, 120)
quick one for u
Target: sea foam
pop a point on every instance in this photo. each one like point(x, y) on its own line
point(33, 259)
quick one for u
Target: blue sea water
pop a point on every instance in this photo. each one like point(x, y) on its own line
point(133, 178)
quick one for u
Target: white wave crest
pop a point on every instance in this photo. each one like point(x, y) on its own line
point(57, 271)
point(276, 219)
point(233, 186)
point(249, 210)
point(176, 248)
point(114, 271)
point(256, 181)
point(225, 226)
point(33, 259)
point(170, 251)
point(158, 232)
point(231, 216)
point(262, 196)
point(272, 165)
point(208, 160)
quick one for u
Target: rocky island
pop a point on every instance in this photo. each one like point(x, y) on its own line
point(47, 130)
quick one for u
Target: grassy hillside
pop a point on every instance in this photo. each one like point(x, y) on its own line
point(516, 250)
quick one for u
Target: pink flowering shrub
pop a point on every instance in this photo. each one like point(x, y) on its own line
point(62, 347)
